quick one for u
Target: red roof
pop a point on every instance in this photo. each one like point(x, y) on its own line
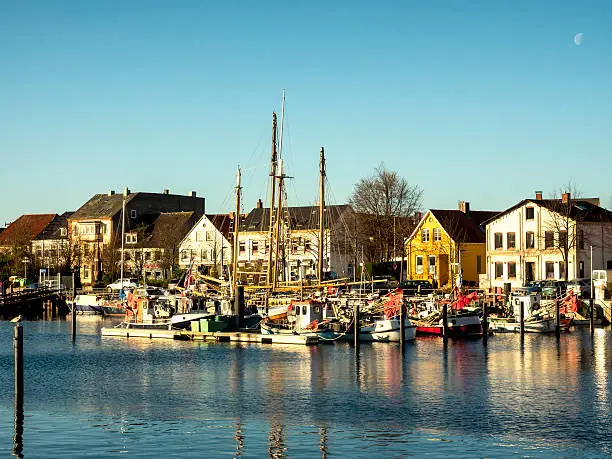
point(24, 229)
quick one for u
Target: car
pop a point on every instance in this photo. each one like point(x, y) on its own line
point(534, 286)
point(581, 287)
point(553, 288)
point(127, 283)
point(416, 286)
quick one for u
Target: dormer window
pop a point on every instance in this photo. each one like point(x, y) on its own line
point(63, 231)
point(131, 238)
point(133, 213)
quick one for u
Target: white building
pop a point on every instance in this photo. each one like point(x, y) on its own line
point(543, 238)
point(207, 246)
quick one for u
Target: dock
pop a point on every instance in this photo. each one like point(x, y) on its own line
point(234, 337)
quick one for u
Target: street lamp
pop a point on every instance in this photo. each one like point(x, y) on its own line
point(25, 267)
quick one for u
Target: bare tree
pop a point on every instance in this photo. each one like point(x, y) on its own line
point(382, 203)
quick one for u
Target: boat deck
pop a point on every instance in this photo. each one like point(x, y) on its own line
point(239, 336)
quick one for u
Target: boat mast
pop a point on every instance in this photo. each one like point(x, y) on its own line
point(236, 231)
point(279, 210)
point(122, 236)
point(321, 213)
point(273, 164)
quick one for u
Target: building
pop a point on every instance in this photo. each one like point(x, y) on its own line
point(298, 243)
point(94, 230)
point(208, 245)
point(540, 239)
point(152, 252)
point(448, 247)
point(50, 247)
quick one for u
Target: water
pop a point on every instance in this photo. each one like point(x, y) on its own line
point(106, 397)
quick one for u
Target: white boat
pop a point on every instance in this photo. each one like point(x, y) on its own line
point(86, 304)
point(531, 325)
point(387, 330)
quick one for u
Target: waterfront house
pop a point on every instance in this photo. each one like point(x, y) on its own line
point(94, 230)
point(298, 243)
point(540, 239)
point(152, 251)
point(448, 246)
point(50, 247)
point(207, 246)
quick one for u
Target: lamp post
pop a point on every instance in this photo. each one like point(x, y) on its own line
point(25, 267)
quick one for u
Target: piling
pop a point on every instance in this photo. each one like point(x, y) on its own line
point(485, 323)
point(239, 305)
point(356, 325)
point(402, 320)
point(591, 317)
point(18, 348)
point(522, 320)
point(445, 322)
point(557, 319)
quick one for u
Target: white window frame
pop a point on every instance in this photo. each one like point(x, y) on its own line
point(437, 234)
point(425, 235)
point(419, 268)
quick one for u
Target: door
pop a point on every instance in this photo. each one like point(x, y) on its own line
point(529, 271)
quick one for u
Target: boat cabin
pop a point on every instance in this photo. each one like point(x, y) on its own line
point(303, 313)
point(529, 301)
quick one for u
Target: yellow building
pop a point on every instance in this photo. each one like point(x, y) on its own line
point(448, 247)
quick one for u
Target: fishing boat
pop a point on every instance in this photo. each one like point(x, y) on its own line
point(532, 324)
point(462, 321)
point(86, 304)
point(385, 330)
point(307, 318)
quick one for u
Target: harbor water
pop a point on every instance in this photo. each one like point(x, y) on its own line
point(110, 397)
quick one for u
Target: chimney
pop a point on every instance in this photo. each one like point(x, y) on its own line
point(259, 204)
point(539, 195)
point(166, 191)
point(111, 192)
point(126, 191)
point(565, 197)
point(192, 194)
point(464, 207)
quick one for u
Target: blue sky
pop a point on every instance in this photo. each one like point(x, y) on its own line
point(485, 103)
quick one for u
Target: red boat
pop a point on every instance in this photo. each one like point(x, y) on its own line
point(461, 325)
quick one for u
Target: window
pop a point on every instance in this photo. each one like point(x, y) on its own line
point(529, 213)
point(419, 264)
point(510, 240)
point(255, 247)
point(511, 270)
point(209, 235)
point(529, 240)
point(549, 239)
point(76, 230)
point(437, 234)
point(499, 244)
point(241, 247)
point(63, 231)
point(199, 236)
point(131, 238)
point(133, 213)
point(147, 255)
point(550, 270)
point(432, 264)
point(184, 255)
point(580, 241)
point(86, 272)
point(478, 264)
point(562, 239)
point(425, 235)
point(609, 264)
point(499, 270)
point(306, 246)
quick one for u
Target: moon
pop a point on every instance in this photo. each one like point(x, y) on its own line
point(578, 38)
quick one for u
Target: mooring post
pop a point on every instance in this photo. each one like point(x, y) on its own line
point(18, 347)
point(522, 320)
point(557, 319)
point(445, 322)
point(591, 316)
point(485, 323)
point(356, 326)
point(402, 320)
point(239, 305)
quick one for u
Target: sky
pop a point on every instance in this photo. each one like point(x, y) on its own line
point(486, 102)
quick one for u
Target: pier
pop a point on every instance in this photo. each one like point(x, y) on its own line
point(234, 337)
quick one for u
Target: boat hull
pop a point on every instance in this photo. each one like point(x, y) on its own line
point(388, 331)
point(530, 326)
point(458, 327)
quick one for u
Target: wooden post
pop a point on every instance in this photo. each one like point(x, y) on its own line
point(445, 322)
point(356, 326)
point(485, 323)
point(557, 319)
point(591, 317)
point(18, 348)
point(239, 305)
point(401, 325)
point(522, 320)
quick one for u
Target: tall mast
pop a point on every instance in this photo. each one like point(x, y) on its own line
point(321, 213)
point(273, 163)
point(122, 234)
point(236, 231)
point(279, 215)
